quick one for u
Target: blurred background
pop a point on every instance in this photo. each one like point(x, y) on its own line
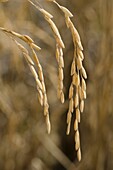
point(24, 142)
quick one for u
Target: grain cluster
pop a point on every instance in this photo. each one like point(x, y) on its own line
point(59, 49)
point(77, 90)
point(39, 78)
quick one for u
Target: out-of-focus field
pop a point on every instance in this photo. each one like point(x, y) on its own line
point(24, 143)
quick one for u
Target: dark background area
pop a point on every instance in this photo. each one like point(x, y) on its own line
point(24, 142)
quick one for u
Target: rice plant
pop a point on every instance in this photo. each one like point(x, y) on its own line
point(77, 90)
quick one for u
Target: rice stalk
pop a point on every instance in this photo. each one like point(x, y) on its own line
point(42, 96)
point(45, 99)
point(59, 49)
point(77, 90)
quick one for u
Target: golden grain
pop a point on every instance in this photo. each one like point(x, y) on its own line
point(78, 115)
point(71, 105)
point(83, 84)
point(75, 124)
point(73, 69)
point(71, 91)
point(82, 105)
point(69, 116)
point(76, 101)
point(68, 128)
point(79, 154)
